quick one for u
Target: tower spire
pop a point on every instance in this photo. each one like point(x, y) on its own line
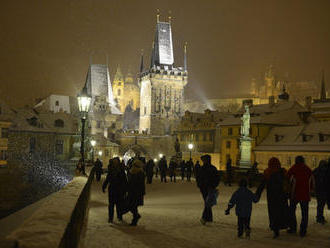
point(169, 16)
point(185, 56)
point(158, 14)
point(152, 62)
point(323, 96)
point(142, 64)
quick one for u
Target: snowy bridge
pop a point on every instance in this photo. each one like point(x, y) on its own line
point(170, 218)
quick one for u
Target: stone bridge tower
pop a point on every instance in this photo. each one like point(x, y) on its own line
point(162, 85)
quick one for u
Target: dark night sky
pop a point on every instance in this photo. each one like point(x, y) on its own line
point(45, 45)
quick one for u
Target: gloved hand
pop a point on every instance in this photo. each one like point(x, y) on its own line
point(227, 211)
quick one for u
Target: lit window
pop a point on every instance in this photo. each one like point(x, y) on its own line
point(228, 143)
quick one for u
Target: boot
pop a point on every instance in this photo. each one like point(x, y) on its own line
point(135, 220)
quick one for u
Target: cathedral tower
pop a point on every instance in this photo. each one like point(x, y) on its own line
point(162, 85)
point(118, 89)
point(269, 82)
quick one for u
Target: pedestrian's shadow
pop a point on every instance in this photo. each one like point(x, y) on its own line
point(156, 239)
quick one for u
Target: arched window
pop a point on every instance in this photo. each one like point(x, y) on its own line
point(59, 123)
point(57, 103)
point(118, 92)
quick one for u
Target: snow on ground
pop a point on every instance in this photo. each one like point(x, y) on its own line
point(170, 218)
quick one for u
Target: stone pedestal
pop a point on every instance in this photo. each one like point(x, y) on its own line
point(245, 149)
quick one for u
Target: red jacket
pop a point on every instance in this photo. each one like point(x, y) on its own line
point(302, 175)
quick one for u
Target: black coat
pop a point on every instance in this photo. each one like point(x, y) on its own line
point(172, 167)
point(116, 181)
point(136, 189)
point(243, 199)
point(277, 199)
point(150, 167)
point(208, 177)
point(163, 165)
point(321, 181)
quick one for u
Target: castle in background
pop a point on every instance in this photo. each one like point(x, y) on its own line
point(162, 85)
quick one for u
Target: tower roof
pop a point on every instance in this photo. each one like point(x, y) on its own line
point(163, 47)
point(118, 75)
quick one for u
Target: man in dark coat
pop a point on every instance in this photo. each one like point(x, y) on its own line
point(189, 168)
point(98, 169)
point(150, 170)
point(136, 189)
point(207, 181)
point(229, 171)
point(163, 169)
point(301, 176)
point(243, 199)
point(183, 168)
point(172, 168)
point(116, 181)
point(321, 189)
point(277, 185)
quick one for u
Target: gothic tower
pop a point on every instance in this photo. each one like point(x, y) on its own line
point(269, 81)
point(118, 89)
point(162, 85)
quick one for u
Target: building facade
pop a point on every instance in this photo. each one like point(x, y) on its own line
point(162, 86)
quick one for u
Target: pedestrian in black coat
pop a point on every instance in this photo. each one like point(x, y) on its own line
point(136, 189)
point(207, 181)
point(243, 199)
point(163, 169)
point(189, 168)
point(150, 171)
point(116, 181)
point(229, 172)
point(183, 168)
point(197, 167)
point(321, 189)
point(277, 186)
point(98, 169)
point(172, 168)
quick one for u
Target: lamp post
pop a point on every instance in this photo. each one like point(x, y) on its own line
point(190, 147)
point(160, 155)
point(93, 143)
point(84, 102)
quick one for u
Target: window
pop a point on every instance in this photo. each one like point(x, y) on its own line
point(3, 155)
point(106, 152)
point(98, 124)
point(228, 143)
point(118, 92)
point(211, 136)
point(197, 137)
point(230, 131)
point(4, 133)
point(57, 103)
point(59, 123)
point(145, 110)
point(321, 137)
point(32, 144)
point(204, 136)
point(227, 157)
point(119, 83)
point(59, 147)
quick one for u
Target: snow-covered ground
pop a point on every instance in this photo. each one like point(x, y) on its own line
point(170, 218)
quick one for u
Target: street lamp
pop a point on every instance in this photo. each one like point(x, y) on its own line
point(160, 155)
point(84, 103)
point(100, 153)
point(155, 160)
point(93, 143)
point(190, 147)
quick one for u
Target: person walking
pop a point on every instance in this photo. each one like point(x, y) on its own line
point(150, 171)
point(277, 185)
point(302, 181)
point(321, 189)
point(136, 189)
point(117, 187)
point(189, 168)
point(182, 168)
point(98, 169)
point(207, 181)
point(172, 168)
point(243, 199)
point(229, 171)
point(163, 169)
point(197, 167)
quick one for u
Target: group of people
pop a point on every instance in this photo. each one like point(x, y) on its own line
point(126, 188)
point(285, 190)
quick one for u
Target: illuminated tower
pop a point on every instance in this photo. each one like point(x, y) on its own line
point(118, 89)
point(269, 81)
point(162, 85)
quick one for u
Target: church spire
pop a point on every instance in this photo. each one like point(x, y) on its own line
point(185, 57)
point(118, 75)
point(158, 14)
point(152, 62)
point(142, 64)
point(323, 96)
